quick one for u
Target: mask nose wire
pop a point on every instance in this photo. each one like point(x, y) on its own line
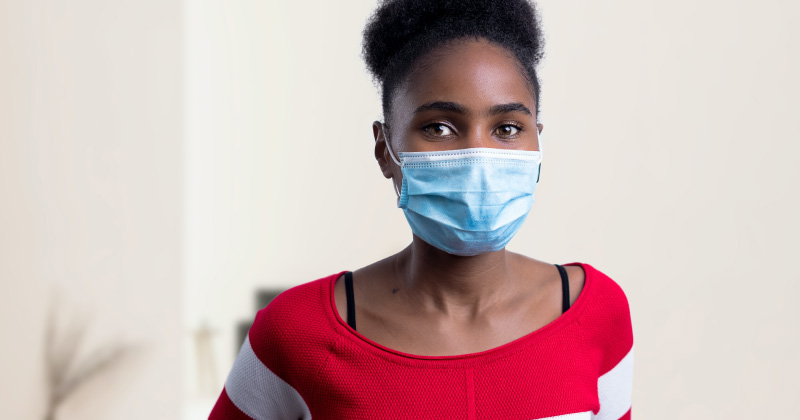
point(388, 146)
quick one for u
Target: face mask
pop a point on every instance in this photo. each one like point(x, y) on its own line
point(469, 201)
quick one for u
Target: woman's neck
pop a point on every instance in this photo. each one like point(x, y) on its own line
point(451, 284)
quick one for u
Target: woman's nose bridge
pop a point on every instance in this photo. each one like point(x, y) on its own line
point(476, 135)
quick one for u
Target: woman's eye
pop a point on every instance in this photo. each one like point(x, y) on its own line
point(438, 130)
point(507, 130)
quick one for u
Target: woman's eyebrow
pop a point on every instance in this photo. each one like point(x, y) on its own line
point(442, 106)
point(510, 107)
point(460, 109)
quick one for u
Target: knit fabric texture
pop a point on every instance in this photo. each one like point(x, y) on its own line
point(301, 360)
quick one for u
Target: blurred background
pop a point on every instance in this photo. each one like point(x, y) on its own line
point(167, 166)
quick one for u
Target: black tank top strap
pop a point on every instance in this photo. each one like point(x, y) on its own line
point(564, 287)
point(351, 304)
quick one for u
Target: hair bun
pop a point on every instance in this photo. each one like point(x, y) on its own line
point(396, 23)
point(402, 31)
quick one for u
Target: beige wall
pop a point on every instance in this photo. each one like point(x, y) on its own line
point(90, 207)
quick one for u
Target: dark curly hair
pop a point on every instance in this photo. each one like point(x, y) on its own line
point(400, 32)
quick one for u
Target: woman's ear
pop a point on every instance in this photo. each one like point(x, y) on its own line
point(539, 128)
point(381, 153)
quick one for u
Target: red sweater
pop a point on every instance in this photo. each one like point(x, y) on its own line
point(302, 361)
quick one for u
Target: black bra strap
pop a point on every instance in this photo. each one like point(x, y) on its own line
point(564, 287)
point(351, 304)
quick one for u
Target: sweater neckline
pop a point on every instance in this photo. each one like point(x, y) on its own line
point(347, 332)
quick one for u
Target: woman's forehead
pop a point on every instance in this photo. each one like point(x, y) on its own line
point(476, 74)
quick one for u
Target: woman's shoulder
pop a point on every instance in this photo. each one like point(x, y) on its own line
point(286, 346)
point(600, 288)
point(605, 318)
point(297, 323)
point(305, 305)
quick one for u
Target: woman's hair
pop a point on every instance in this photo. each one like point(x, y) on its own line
point(401, 32)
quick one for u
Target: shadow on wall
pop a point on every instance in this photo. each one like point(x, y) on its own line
point(90, 363)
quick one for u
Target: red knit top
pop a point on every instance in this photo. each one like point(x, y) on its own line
point(302, 361)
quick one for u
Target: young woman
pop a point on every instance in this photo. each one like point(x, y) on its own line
point(454, 326)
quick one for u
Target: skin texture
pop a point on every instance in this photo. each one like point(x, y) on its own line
point(422, 300)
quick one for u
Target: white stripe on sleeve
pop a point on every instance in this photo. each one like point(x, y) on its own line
point(261, 394)
point(614, 389)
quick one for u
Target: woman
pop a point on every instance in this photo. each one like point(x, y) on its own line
point(454, 325)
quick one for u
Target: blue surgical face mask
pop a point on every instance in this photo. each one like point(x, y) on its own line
point(468, 201)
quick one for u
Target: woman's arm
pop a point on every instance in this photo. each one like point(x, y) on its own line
point(607, 329)
point(275, 372)
point(253, 391)
point(614, 389)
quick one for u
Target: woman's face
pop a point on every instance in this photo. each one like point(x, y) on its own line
point(472, 94)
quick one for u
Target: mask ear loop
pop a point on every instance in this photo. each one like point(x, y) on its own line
point(388, 146)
